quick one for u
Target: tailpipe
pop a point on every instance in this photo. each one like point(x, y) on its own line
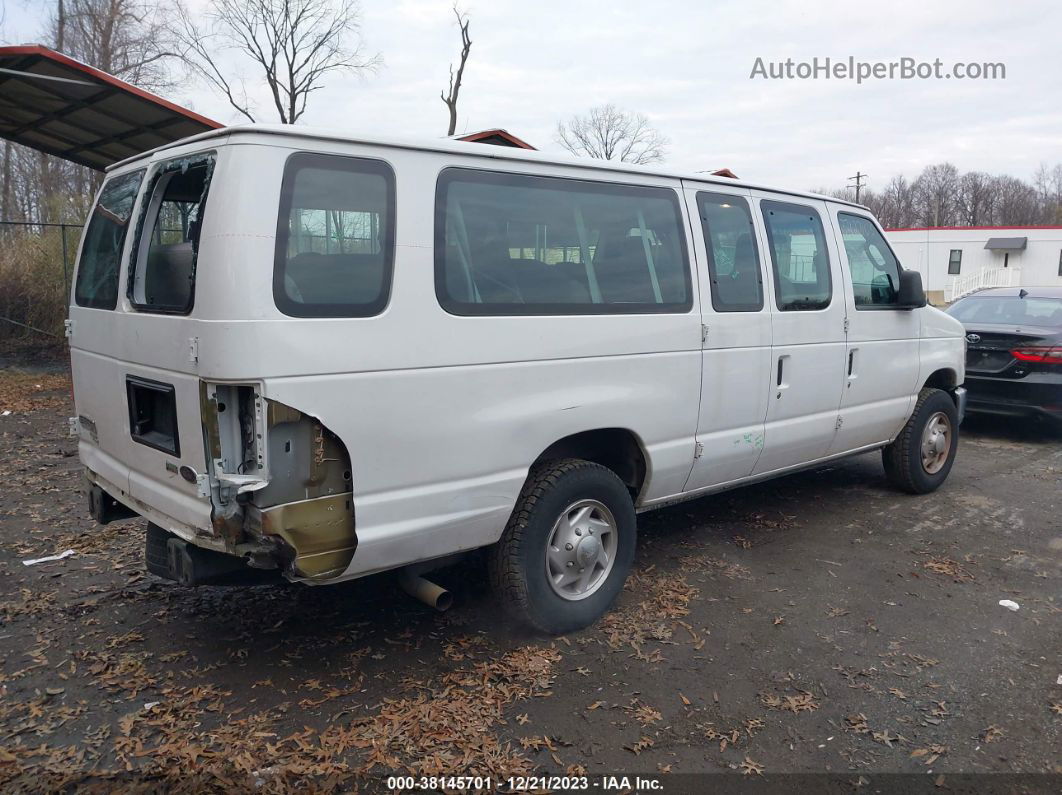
point(425, 590)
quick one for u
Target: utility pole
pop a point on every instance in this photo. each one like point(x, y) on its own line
point(859, 180)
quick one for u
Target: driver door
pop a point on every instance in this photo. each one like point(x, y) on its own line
point(881, 368)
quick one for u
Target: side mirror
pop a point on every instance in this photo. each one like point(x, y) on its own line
point(911, 295)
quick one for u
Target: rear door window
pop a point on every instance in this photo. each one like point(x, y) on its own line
point(733, 264)
point(163, 276)
point(335, 236)
point(799, 255)
point(97, 273)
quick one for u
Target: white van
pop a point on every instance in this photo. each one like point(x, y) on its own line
point(329, 356)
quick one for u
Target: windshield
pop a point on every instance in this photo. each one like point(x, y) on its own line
point(1009, 311)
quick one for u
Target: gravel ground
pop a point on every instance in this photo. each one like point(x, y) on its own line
point(818, 623)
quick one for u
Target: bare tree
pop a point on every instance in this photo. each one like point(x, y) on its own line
point(126, 38)
point(935, 193)
point(897, 204)
point(1015, 202)
point(293, 44)
point(1053, 214)
point(610, 133)
point(455, 77)
point(975, 198)
point(1048, 183)
point(941, 196)
point(6, 183)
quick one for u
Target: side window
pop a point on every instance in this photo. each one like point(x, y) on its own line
point(799, 256)
point(97, 272)
point(512, 244)
point(335, 236)
point(733, 263)
point(163, 275)
point(875, 271)
point(955, 262)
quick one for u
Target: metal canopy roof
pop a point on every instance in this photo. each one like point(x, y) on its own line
point(1006, 243)
point(50, 102)
point(496, 136)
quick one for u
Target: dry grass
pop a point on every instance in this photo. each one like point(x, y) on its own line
point(33, 287)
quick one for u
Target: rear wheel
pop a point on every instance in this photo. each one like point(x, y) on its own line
point(922, 455)
point(568, 547)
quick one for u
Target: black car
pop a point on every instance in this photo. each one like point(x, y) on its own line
point(1013, 351)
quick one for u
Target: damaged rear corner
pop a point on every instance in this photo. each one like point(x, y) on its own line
point(279, 482)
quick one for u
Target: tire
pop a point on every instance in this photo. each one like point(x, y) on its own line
point(907, 465)
point(522, 574)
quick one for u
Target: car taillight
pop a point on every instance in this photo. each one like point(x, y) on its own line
point(1041, 355)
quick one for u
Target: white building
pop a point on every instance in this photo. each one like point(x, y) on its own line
point(956, 260)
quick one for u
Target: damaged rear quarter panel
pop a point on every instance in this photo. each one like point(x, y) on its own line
point(280, 489)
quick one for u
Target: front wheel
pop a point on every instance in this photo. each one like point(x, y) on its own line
point(568, 547)
point(922, 455)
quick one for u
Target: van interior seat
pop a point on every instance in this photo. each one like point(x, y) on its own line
point(336, 278)
point(742, 285)
point(493, 273)
point(542, 283)
point(168, 276)
point(623, 272)
point(822, 269)
point(500, 278)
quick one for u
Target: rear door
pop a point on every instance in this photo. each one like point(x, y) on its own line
point(808, 332)
point(94, 367)
point(736, 349)
point(133, 354)
point(881, 367)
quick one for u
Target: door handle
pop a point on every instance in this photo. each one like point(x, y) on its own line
point(780, 369)
point(851, 365)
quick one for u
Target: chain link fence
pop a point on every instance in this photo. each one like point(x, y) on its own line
point(36, 265)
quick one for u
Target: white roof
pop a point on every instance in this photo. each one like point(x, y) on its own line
point(467, 149)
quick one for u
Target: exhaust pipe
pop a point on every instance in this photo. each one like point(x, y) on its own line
point(426, 591)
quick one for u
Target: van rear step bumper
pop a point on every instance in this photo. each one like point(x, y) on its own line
point(173, 558)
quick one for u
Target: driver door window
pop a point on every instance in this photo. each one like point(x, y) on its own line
point(873, 267)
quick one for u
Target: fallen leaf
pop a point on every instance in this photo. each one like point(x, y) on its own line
point(991, 734)
point(749, 767)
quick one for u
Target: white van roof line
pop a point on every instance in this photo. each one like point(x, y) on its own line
point(470, 149)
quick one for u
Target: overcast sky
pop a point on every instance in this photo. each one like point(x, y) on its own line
point(687, 64)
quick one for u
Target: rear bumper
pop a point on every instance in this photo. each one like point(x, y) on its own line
point(1026, 397)
point(184, 517)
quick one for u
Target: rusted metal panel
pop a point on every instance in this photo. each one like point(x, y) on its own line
point(321, 531)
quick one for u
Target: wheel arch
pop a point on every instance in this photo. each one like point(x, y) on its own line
point(617, 449)
point(944, 378)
